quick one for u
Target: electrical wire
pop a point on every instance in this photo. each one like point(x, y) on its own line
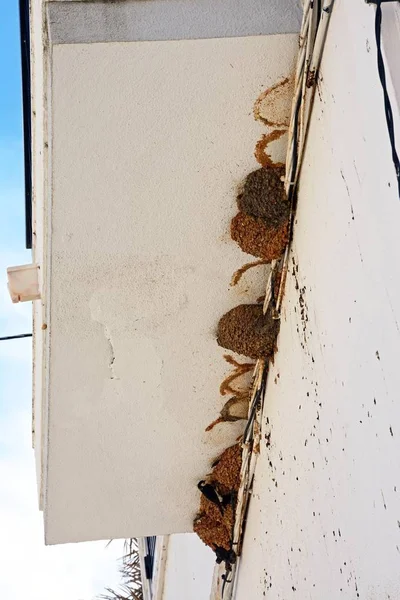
point(386, 99)
point(313, 32)
point(16, 337)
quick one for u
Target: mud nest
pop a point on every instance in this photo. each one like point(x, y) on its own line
point(226, 471)
point(215, 528)
point(247, 331)
point(256, 238)
point(263, 196)
point(261, 226)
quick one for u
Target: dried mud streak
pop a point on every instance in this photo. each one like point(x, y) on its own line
point(263, 96)
point(227, 414)
point(260, 153)
point(214, 423)
point(225, 387)
point(231, 361)
point(239, 370)
point(237, 276)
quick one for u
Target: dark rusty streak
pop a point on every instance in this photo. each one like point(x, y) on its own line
point(319, 92)
point(311, 78)
point(348, 193)
point(355, 168)
point(391, 308)
point(359, 251)
point(345, 183)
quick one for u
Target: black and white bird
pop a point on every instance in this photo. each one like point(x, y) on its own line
point(209, 491)
point(226, 556)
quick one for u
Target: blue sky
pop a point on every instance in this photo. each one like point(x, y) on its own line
point(28, 568)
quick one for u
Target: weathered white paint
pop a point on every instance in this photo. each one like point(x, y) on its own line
point(160, 561)
point(324, 521)
point(135, 20)
point(148, 144)
point(189, 569)
point(41, 185)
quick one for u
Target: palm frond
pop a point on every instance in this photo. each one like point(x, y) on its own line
point(131, 584)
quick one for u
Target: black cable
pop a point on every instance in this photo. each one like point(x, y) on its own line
point(26, 113)
point(382, 77)
point(256, 401)
point(16, 337)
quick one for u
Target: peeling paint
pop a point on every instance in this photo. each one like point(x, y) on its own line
point(111, 365)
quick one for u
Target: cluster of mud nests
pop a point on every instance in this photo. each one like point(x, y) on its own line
point(262, 223)
point(261, 229)
point(215, 521)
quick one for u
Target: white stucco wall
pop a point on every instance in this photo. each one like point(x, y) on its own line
point(149, 142)
point(324, 520)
